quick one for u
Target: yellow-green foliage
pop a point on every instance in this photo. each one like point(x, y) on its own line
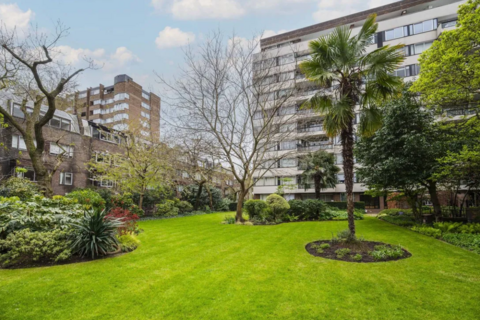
point(128, 242)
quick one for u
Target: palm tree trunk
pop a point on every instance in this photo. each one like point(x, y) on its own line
point(347, 146)
point(317, 179)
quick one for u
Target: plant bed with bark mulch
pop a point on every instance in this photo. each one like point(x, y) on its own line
point(357, 251)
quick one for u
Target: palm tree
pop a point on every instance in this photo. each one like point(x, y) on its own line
point(348, 76)
point(320, 167)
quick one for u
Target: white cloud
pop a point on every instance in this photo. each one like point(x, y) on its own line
point(173, 37)
point(121, 58)
point(332, 9)
point(200, 9)
point(13, 17)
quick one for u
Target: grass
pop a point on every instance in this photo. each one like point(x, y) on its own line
point(197, 268)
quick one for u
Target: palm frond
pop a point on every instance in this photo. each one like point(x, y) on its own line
point(370, 120)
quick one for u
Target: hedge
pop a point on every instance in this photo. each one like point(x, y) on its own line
point(343, 205)
point(232, 206)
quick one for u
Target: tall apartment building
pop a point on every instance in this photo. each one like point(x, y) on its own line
point(116, 105)
point(414, 23)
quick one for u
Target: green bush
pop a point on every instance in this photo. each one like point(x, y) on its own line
point(464, 240)
point(88, 198)
point(128, 242)
point(357, 257)
point(395, 212)
point(457, 227)
point(126, 202)
point(315, 210)
point(255, 208)
point(343, 215)
point(428, 231)
point(107, 196)
point(189, 194)
point(324, 246)
point(229, 220)
point(343, 205)
point(95, 235)
point(223, 205)
point(232, 206)
point(167, 209)
point(19, 187)
point(25, 247)
point(386, 252)
point(278, 205)
point(404, 221)
point(183, 206)
point(297, 208)
point(342, 252)
point(38, 214)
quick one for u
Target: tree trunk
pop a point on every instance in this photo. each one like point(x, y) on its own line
point(140, 201)
point(432, 190)
point(347, 151)
point(317, 179)
point(207, 187)
point(239, 215)
point(197, 199)
point(44, 182)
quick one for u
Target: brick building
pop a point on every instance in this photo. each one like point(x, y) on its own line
point(115, 105)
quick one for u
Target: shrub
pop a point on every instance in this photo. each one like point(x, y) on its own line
point(25, 247)
point(315, 210)
point(19, 187)
point(297, 208)
point(88, 198)
point(290, 217)
point(223, 205)
point(229, 220)
point(324, 246)
point(278, 205)
point(446, 227)
point(343, 205)
point(232, 206)
point(464, 240)
point(38, 214)
point(167, 209)
point(189, 194)
point(128, 242)
point(95, 234)
point(395, 212)
point(346, 236)
point(342, 252)
point(128, 219)
point(428, 231)
point(106, 195)
point(473, 228)
point(125, 201)
point(183, 206)
point(152, 197)
point(385, 252)
point(255, 208)
point(357, 257)
point(343, 215)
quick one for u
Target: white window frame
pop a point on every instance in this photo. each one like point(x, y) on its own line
point(63, 178)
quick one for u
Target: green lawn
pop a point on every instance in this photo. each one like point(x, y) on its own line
point(197, 268)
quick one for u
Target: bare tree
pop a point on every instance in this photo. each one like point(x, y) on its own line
point(34, 72)
point(234, 96)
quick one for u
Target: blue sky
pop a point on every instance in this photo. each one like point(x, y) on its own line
point(137, 37)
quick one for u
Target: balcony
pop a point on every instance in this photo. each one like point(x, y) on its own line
point(313, 128)
point(315, 147)
point(459, 111)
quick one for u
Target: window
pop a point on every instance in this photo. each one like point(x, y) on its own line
point(288, 145)
point(289, 127)
point(146, 95)
point(108, 101)
point(144, 133)
point(283, 93)
point(338, 158)
point(420, 47)
point(57, 122)
point(145, 124)
point(184, 174)
point(303, 57)
point(373, 39)
point(396, 33)
point(120, 117)
point(18, 142)
point(97, 111)
point(288, 163)
point(145, 105)
point(59, 149)
point(341, 178)
point(288, 58)
point(146, 115)
point(94, 92)
point(266, 96)
point(424, 26)
point(285, 76)
point(106, 183)
point(121, 96)
point(284, 110)
point(82, 95)
point(402, 72)
point(66, 178)
point(449, 24)
point(97, 101)
point(180, 188)
point(16, 111)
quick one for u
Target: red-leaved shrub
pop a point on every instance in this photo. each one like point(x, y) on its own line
point(129, 220)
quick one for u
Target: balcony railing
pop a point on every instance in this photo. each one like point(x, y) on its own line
point(315, 147)
point(310, 129)
point(459, 112)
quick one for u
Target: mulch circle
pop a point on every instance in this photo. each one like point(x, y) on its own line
point(363, 248)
